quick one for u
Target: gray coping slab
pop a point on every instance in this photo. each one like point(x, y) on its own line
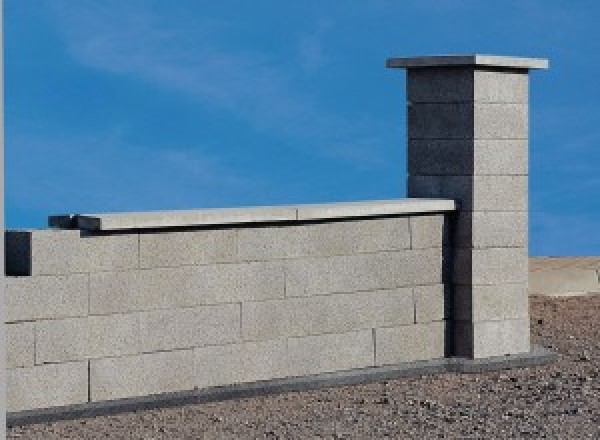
point(468, 60)
point(262, 214)
point(537, 357)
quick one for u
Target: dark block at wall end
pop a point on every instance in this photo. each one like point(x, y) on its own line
point(17, 253)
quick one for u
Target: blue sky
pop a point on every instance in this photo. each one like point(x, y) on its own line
point(145, 105)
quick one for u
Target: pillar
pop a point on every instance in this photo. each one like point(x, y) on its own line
point(468, 140)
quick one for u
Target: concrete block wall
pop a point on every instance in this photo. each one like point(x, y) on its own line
point(97, 316)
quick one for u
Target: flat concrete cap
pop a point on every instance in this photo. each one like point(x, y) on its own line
point(468, 60)
point(263, 214)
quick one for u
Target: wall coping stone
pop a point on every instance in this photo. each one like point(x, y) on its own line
point(257, 214)
point(468, 60)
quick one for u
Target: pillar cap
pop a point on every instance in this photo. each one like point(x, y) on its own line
point(468, 60)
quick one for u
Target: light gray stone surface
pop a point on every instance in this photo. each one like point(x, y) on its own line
point(238, 363)
point(429, 231)
point(45, 386)
point(469, 60)
point(563, 281)
point(20, 344)
point(482, 229)
point(432, 303)
point(141, 375)
point(501, 86)
point(171, 249)
point(490, 266)
point(190, 327)
point(330, 352)
point(491, 338)
point(492, 302)
point(262, 214)
point(45, 297)
point(410, 343)
point(325, 239)
point(337, 313)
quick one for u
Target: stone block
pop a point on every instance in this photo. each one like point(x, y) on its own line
point(440, 85)
point(324, 239)
point(363, 272)
point(141, 375)
point(239, 363)
point(429, 231)
point(489, 303)
point(92, 337)
point(563, 281)
point(337, 313)
point(491, 338)
point(331, 352)
point(190, 327)
point(501, 121)
point(45, 297)
point(46, 386)
point(482, 229)
point(163, 288)
point(20, 344)
point(432, 303)
point(490, 266)
point(169, 249)
point(467, 157)
point(493, 86)
point(54, 252)
point(409, 343)
point(474, 193)
point(442, 120)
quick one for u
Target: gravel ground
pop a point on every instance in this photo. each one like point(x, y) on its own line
point(561, 400)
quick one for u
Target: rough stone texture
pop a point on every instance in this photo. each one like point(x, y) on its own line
point(491, 338)
point(450, 157)
point(429, 231)
point(410, 343)
point(36, 387)
point(491, 229)
point(353, 273)
point(190, 327)
point(337, 313)
point(20, 344)
point(45, 297)
point(52, 252)
point(326, 239)
point(486, 303)
point(91, 337)
point(237, 363)
point(140, 375)
point(187, 248)
point(162, 288)
point(501, 86)
point(490, 266)
point(440, 121)
point(432, 303)
point(330, 352)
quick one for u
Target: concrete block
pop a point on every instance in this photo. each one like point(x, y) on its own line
point(17, 253)
point(474, 193)
point(45, 297)
point(501, 121)
point(20, 344)
point(432, 303)
point(190, 327)
point(168, 249)
point(410, 343)
point(440, 85)
point(239, 363)
point(163, 288)
point(495, 86)
point(338, 313)
point(141, 375)
point(363, 272)
point(467, 157)
point(53, 251)
point(331, 352)
point(474, 61)
point(491, 229)
point(46, 386)
point(489, 303)
point(428, 231)
point(324, 239)
point(562, 281)
point(443, 120)
point(490, 266)
point(491, 338)
point(92, 337)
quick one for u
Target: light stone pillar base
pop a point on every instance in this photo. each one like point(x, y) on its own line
point(468, 140)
